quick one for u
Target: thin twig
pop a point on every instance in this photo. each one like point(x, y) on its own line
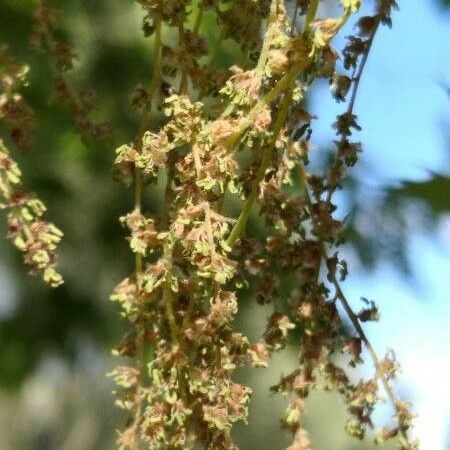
point(346, 305)
point(339, 293)
point(354, 92)
point(140, 340)
point(241, 223)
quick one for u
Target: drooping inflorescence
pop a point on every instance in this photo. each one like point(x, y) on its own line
point(238, 135)
point(241, 133)
point(34, 237)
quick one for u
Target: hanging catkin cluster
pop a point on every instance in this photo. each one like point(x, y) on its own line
point(34, 237)
point(241, 133)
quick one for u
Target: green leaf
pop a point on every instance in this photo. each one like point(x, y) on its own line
point(435, 192)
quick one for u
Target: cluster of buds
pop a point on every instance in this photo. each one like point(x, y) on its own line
point(247, 138)
point(34, 237)
point(239, 134)
point(14, 109)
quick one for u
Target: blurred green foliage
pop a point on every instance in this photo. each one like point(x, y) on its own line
point(433, 192)
point(74, 179)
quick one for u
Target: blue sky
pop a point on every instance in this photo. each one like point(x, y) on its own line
point(403, 110)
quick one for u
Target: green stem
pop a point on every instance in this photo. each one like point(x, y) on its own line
point(184, 77)
point(310, 15)
point(267, 39)
point(241, 223)
point(138, 140)
point(199, 18)
point(140, 340)
point(154, 83)
point(168, 297)
point(216, 49)
point(137, 208)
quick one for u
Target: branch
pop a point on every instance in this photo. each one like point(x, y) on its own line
point(354, 92)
